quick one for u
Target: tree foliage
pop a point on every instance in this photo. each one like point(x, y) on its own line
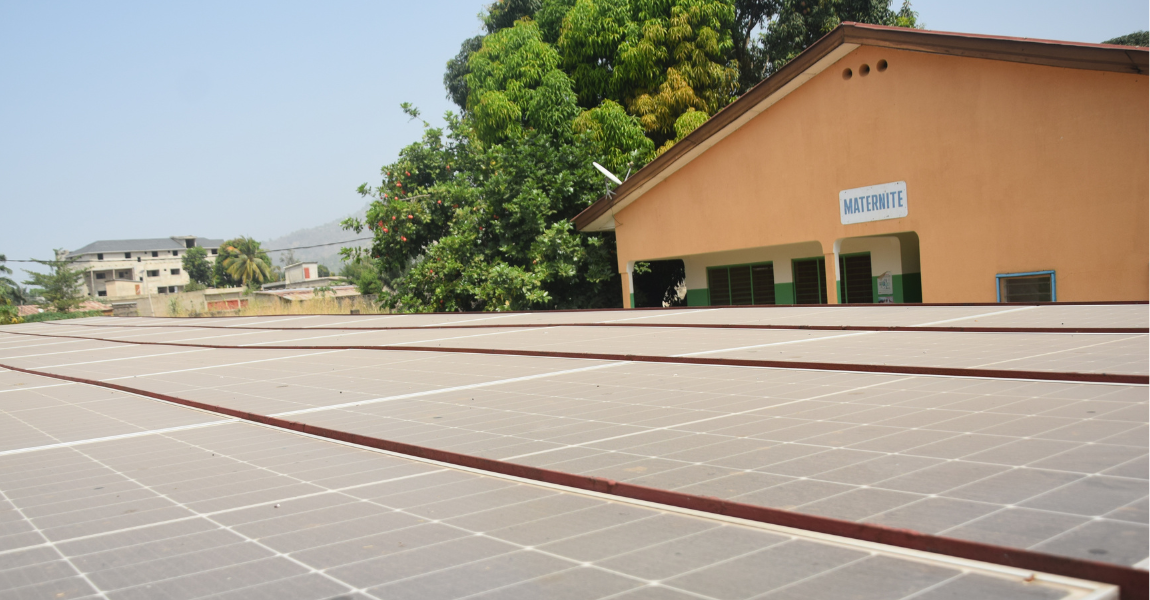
point(658, 58)
point(800, 23)
point(515, 83)
point(455, 78)
point(465, 225)
point(60, 287)
point(1138, 38)
point(241, 262)
point(245, 261)
point(476, 215)
point(196, 265)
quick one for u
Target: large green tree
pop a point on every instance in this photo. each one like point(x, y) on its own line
point(61, 285)
point(196, 265)
point(476, 216)
point(515, 83)
point(245, 261)
point(658, 58)
point(461, 224)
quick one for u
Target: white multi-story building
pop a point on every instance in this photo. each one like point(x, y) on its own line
point(124, 268)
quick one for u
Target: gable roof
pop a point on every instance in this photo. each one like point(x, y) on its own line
point(828, 50)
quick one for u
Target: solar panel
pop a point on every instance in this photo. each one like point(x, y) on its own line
point(1051, 467)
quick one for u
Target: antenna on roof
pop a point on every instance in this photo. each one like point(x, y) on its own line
point(610, 177)
point(607, 173)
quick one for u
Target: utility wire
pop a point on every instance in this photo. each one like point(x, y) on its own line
point(28, 260)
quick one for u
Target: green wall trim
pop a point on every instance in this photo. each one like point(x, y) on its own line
point(632, 299)
point(699, 297)
point(785, 293)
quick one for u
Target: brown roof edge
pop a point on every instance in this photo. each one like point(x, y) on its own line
point(1072, 55)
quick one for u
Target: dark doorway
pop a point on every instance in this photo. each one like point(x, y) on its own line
point(856, 278)
point(657, 283)
point(810, 280)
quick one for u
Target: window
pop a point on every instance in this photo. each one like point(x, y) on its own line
point(190, 243)
point(155, 273)
point(100, 275)
point(102, 293)
point(1036, 286)
point(128, 255)
point(810, 280)
point(99, 257)
point(155, 254)
point(855, 270)
point(162, 290)
point(171, 289)
point(741, 285)
point(175, 271)
point(175, 252)
point(215, 251)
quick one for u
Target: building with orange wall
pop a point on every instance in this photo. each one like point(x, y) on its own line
point(895, 165)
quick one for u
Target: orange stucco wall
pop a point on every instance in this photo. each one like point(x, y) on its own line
point(1009, 168)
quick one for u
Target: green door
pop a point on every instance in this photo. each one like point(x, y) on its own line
point(856, 278)
point(741, 285)
point(810, 280)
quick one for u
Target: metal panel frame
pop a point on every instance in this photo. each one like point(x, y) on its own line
point(1000, 276)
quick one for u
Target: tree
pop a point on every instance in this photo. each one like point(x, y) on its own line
point(197, 267)
point(659, 59)
point(220, 276)
point(750, 15)
point(323, 271)
point(8, 311)
point(60, 288)
point(5, 281)
point(800, 23)
point(1138, 38)
point(362, 273)
point(476, 216)
point(515, 84)
point(246, 262)
point(461, 224)
point(288, 258)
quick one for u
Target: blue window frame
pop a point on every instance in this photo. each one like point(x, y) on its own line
point(1032, 286)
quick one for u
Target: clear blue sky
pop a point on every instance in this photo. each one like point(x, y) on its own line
point(217, 119)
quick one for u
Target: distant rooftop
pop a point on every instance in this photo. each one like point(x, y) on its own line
point(144, 245)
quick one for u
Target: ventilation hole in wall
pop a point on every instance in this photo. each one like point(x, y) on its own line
point(847, 74)
point(881, 65)
point(864, 70)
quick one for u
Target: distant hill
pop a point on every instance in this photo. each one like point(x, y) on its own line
point(313, 236)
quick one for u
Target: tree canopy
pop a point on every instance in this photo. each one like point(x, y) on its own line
point(196, 265)
point(60, 287)
point(245, 261)
point(800, 23)
point(476, 215)
point(1138, 38)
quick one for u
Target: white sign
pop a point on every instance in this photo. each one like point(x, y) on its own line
point(885, 284)
point(873, 203)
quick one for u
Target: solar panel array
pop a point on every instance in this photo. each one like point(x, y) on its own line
point(112, 493)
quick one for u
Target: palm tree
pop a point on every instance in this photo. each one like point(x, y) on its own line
point(247, 262)
point(6, 284)
point(4, 270)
